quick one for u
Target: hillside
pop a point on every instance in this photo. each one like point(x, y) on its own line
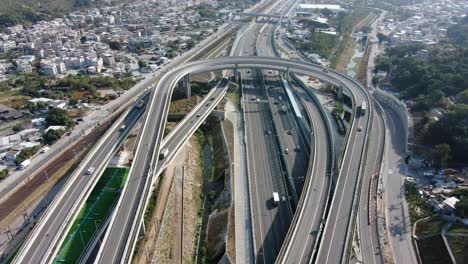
point(29, 11)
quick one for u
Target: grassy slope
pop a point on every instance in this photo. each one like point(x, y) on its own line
point(27, 11)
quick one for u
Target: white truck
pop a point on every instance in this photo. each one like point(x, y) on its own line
point(24, 164)
point(276, 198)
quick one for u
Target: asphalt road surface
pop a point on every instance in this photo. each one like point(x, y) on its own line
point(370, 248)
point(37, 251)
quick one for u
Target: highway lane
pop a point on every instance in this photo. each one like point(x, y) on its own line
point(266, 175)
point(308, 217)
point(334, 245)
point(49, 228)
point(315, 192)
point(154, 126)
point(270, 222)
point(136, 193)
point(290, 133)
point(366, 224)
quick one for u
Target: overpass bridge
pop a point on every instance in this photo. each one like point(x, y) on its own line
point(126, 224)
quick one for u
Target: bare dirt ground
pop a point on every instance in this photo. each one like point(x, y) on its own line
point(165, 223)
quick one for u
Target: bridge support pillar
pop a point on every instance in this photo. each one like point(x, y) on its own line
point(339, 92)
point(236, 74)
point(287, 75)
point(184, 86)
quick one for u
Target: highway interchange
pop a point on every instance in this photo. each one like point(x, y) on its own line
point(300, 231)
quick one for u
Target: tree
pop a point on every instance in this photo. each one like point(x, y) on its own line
point(115, 45)
point(326, 12)
point(463, 97)
point(52, 135)
point(441, 154)
point(142, 64)
point(382, 37)
point(3, 174)
point(59, 117)
point(462, 206)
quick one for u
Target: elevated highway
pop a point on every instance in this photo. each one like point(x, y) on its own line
point(51, 230)
point(122, 233)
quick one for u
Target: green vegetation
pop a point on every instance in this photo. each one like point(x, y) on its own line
point(458, 34)
point(93, 215)
point(440, 155)
point(206, 11)
point(3, 174)
point(438, 81)
point(36, 85)
point(26, 153)
point(59, 117)
point(200, 88)
point(337, 113)
point(346, 21)
point(430, 226)
point(458, 245)
point(51, 136)
point(320, 43)
point(419, 207)
point(458, 229)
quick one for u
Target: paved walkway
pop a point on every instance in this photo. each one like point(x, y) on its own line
point(397, 212)
point(243, 223)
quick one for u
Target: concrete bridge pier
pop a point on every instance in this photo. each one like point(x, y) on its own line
point(184, 86)
point(236, 74)
point(287, 75)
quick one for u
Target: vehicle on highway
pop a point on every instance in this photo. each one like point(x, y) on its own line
point(198, 115)
point(212, 98)
point(280, 98)
point(286, 151)
point(269, 131)
point(140, 103)
point(122, 128)
point(163, 153)
point(276, 198)
point(359, 128)
point(363, 108)
point(253, 98)
point(207, 104)
point(325, 70)
point(24, 164)
point(290, 132)
point(90, 171)
point(45, 149)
